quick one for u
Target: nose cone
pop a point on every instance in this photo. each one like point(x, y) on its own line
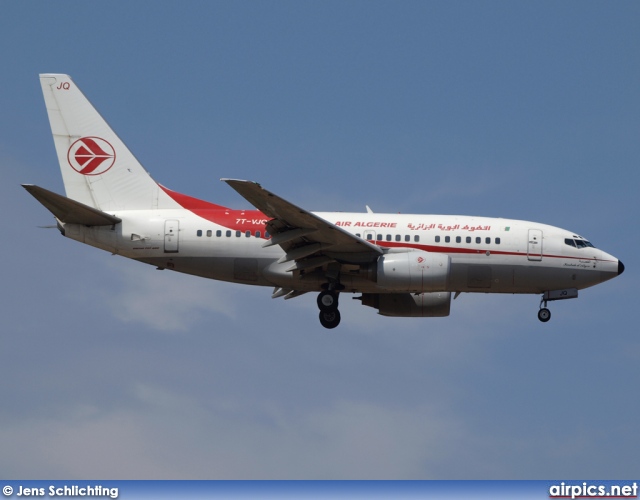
point(620, 267)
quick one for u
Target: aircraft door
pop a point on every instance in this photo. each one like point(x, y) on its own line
point(171, 236)
point(534, 247)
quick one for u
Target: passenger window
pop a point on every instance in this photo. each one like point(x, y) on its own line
point(267, 235)
point(228, 233)
point(437, 239)
point(247, 233)
point(468, 239)
point(218, 233)
point(209, 233)
point(379, 237)
point(416, 238)
point(238, 234)
point(407, 237)
point(447, 239)
point(258, 234)
point(497, 241)
point(398, 237)
point(458, 239)
point(388, 237)
point(199, 232)
point(478, 240)
point(487, 241)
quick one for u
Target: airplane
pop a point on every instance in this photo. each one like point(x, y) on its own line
point(403, 265)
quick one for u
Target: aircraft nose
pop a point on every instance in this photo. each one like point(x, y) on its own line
point(620, 267)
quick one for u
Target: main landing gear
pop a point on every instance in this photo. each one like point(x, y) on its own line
point(328, 305)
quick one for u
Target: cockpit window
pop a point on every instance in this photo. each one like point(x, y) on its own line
point(583, 244)
point(578, 243)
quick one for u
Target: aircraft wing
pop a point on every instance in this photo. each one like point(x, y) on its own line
point(307, 239)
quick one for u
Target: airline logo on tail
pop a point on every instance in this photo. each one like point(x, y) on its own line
point(91, 156)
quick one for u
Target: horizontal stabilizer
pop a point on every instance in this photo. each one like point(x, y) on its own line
point(70, 211)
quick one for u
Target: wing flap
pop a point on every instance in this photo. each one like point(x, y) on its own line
point(70, 211)
point(287, 236)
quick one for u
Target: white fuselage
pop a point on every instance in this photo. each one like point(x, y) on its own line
point(486, 254)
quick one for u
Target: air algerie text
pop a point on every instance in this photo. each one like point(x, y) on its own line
point(365, 224)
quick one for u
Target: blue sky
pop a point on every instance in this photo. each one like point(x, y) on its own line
point(525, 110)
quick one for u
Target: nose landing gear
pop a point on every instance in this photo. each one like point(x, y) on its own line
point(544, 314)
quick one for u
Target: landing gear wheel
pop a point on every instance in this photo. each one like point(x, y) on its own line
point(327, 301)
point(330, 319)
point(544, 315)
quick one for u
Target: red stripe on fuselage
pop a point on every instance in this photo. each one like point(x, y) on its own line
point(191, 203)
point(236, 220)
point(470, 251)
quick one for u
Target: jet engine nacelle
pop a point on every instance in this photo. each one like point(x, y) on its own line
point(414, 305)
point(414, 271)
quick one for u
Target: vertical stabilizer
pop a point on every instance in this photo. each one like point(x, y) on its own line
point(97, 168)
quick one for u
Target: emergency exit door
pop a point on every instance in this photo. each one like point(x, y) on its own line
point(171, 236)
